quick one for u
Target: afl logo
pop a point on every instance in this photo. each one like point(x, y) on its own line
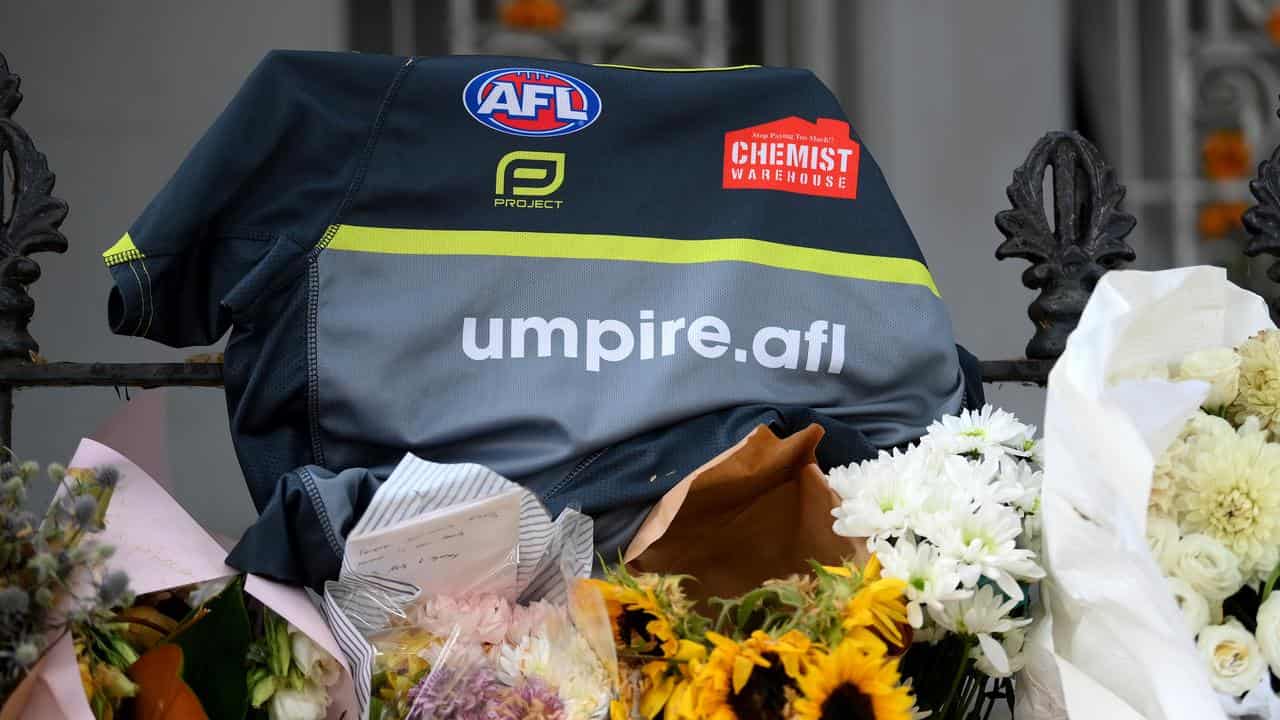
point(530, 102)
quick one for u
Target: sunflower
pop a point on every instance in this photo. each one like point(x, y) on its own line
point(854, 682)
point(639, 624)
point(755, 678)
point(881, 608)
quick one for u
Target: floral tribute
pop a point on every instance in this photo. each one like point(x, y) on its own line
point(1214, 514)
point(932, 625)
point(822, 645)
point(485, 658)
point(204, 651)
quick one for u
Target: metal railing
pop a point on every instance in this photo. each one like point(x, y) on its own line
point(1085, 240)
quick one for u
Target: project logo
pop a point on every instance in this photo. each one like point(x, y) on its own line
point(532, 103)
point(525, 177)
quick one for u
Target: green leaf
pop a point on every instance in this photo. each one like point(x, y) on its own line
point(215, 648)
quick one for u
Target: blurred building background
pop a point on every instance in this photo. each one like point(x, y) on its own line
point(949, 96)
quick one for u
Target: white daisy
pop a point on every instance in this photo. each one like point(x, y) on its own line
point(881, 497)
point(984, 543)
point(989, 432)
point(981, 480)
point(1013, 643)
point(931, 578)
point(981, 616)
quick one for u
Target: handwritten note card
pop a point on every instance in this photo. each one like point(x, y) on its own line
point(461, 549)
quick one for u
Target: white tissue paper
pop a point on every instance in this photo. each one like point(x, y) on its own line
point(1114, 644)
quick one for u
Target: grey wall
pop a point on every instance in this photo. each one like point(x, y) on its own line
point(950, 96)
point(116, 94)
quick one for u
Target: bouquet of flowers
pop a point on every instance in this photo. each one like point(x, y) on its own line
point(1159, 506)
point(1214, 524)
point(955, 518)
point(824, 645)
point(41, 557)
point(207, 650)
point(485, 658)
point(195, 641)
point(934, 623)
point(456, 602)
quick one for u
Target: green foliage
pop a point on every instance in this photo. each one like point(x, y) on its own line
point(222, 632)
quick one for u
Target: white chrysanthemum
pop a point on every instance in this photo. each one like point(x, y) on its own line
point(1013, 643)
point(982, 615)
point(984, 542)
point(989, 432)
point(1017, 472)
point(1230, 490)
point(979, 480)
point(1260, 381)
point(1171, 466)
point(931, 578)
point(558, 654)
point(1235, 661)
point(880, 497)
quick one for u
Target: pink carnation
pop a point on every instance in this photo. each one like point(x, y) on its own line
point(481, 619)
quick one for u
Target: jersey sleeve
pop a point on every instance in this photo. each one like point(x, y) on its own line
point(251, 199)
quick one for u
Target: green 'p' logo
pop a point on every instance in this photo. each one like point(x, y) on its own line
point(529, 173)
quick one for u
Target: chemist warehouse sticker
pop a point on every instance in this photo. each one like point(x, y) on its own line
point(793, 155)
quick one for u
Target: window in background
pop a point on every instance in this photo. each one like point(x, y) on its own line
point(656, 33)
point(1181, 96)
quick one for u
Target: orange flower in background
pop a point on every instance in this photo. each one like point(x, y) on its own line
point(1273, 25)
point(533, 14)
point(1226, 155)
point(1218, 220)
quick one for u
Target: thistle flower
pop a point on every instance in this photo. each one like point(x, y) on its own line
point(114, 588)
point(107, 476)
point(83, 510)
point(14, 601)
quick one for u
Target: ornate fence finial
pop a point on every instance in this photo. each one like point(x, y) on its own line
point(30, 224)
point(1262, 221)
point(1085, 240)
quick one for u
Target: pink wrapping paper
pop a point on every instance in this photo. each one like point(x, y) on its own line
point(161, 547)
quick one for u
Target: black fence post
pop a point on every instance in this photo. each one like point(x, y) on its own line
point(29, 220)
point(1086, 239)
point(1262, 221)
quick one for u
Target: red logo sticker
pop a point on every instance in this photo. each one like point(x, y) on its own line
point(793, 155)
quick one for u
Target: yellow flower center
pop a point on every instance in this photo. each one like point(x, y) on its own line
point(1237, 512)
point(1231, 658)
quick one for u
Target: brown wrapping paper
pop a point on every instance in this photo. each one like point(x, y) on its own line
point(759, 510)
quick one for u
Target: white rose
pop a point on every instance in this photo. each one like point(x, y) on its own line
point(1208, 566)
point(314, 661)
point(1233, 657)
point(1163, 536)
point(1220, 367)
point(1195, 609)
point(1269, 631)
point(309, 703)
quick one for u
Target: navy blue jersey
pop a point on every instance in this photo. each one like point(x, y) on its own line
point(590, 279)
